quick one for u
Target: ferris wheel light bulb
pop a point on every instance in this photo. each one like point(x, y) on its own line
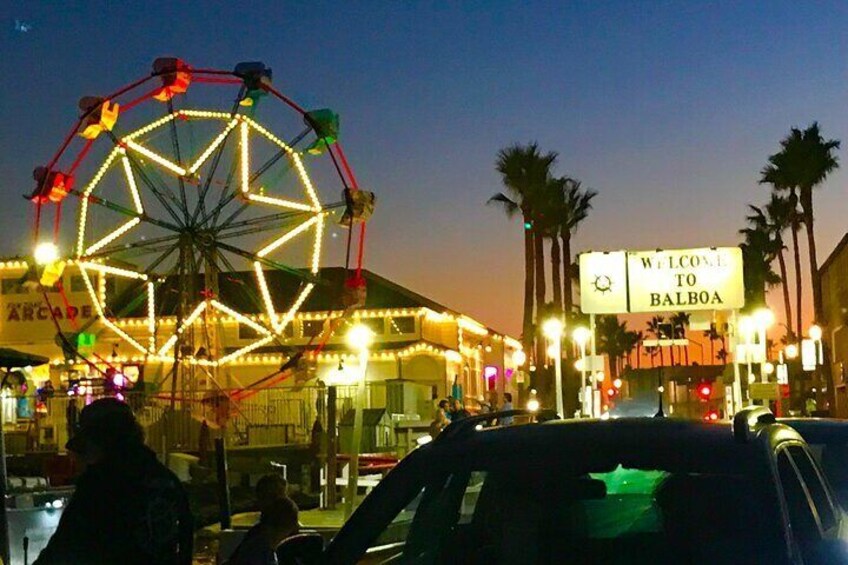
point(46, 252)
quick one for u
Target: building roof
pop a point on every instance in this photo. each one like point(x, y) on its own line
point(834, 254)
point(239, 291)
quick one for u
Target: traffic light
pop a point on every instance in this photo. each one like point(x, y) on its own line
point(711, 415)
point(705, 390)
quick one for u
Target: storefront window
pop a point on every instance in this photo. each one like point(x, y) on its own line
point(13, 286)
point(401, 325)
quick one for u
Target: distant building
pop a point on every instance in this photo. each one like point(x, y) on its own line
point(834, 280)
point(416, 338)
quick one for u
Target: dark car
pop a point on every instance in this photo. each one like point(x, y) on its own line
point(619, 491)
point(828, 441)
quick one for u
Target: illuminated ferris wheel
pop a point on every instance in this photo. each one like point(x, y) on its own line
point(183, 179)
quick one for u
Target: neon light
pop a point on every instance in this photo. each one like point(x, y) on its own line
point(84, 200)
point(304, 178)
point(204, 114)
point(149, 127)
point(287, 236)
point(273, 138)
point(113, 236)
point(239, 317)
point(156, 158)
point(131, 182)
point(106, 321)
point(245, 159)
point(246, 349)
point(316, 246)
point(215, 143)
point(293, 310)
point(126, 273)
point(281, 203)
point(151, 316)
point(266, 295)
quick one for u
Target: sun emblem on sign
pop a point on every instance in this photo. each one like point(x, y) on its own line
point(602, 284)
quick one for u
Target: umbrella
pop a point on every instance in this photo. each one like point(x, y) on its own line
point(13, 359)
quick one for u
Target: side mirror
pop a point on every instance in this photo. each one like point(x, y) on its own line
point(300, 549)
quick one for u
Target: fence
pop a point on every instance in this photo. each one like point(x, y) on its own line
point(273, 415)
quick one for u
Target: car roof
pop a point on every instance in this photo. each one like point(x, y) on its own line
point(819, 430)
point(647, 443)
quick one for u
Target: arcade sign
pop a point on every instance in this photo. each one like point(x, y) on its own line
point(662, 280)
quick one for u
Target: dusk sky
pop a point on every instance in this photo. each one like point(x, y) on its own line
point(667, 109)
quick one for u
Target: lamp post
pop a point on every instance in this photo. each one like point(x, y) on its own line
point(746, 328)
point(763, 320)
point(359, 338)
point(581, 338)
point(552, 329)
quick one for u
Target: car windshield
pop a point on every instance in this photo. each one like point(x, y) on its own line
point(624, 515)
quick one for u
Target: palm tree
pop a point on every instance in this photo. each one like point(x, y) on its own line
point(653, 328)
point(616, 341)
point(524, 172)
point(758, 253)
point(713, 335)
point(776, 217)
point(804, 162)
point(679, 323)
point(776, 174)
point(551, 210)
point(577, 204)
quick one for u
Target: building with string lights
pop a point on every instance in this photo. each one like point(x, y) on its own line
point(416, 339)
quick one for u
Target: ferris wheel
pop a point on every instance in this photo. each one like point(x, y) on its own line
point(185, 178)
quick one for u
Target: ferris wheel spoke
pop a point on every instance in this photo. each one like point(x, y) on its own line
point(175, 142)
point(160, 196)
point(306, 276)
point(141, 244)
point(200, 208)
point(100, 201)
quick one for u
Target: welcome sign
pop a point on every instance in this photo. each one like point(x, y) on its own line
point(670, 280)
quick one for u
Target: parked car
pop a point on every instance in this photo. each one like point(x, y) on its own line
point(647, 490)
point(828, 441)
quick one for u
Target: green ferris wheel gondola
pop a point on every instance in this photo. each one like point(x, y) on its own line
point(325, 124)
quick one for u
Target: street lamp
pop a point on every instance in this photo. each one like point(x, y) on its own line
point(533, 403)
point(791, 351)
point(552, 329)
point(359, 339)
point(45, 253)
point(815, 332)
point(519, 358)
point(581, 337)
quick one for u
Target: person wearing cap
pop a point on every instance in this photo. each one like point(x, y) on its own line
point(127, 507)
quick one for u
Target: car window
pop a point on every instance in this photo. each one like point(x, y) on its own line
point(815, 486)
point(512, 516)
point(801, 516)
point(425, 522)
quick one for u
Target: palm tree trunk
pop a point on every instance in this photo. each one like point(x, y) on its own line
point(539, 252)
point(529, 286)
point(541, 288)
point(556, 280)
point(787, 306)
point(797, 261)
point(807, 207)
point(567, 299)
point(818, 304)
point(712, 350)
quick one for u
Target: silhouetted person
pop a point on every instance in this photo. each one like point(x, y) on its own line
point(204, 443)
point(458, 411)
point(127, 507)
point(269, 488)
point(278, 521)
point(72, 417)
